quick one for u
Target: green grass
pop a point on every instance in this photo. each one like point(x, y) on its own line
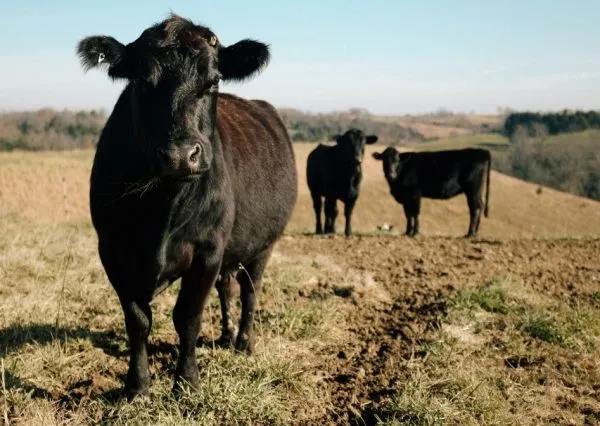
point(490, 297)
point(543, 328)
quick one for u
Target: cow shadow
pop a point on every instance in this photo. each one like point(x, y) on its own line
point(15, 337)
point(114, 344)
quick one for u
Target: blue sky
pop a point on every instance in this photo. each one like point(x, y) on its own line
point(391, 57)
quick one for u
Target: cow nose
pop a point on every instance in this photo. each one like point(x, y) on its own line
point(193, 158)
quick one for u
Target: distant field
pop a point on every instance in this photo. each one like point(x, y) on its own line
point(492, 141)
point(448, 126)
point(54, 186)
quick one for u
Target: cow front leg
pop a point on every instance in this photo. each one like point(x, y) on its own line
point(414, 209)
point(187, 316)
point(409, 220)
point(138, 322)
point(225, 291)
point(330, 215)
point(348, 207)
point(318, 206)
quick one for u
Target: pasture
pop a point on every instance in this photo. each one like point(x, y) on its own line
point(380, 328)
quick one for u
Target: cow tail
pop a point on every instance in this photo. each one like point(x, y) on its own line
point(486, 210)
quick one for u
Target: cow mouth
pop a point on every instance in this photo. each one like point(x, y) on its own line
point(192, 177)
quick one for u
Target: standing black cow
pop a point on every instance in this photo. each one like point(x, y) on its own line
point(334, 172)
point(439, 175)
point(186, 182)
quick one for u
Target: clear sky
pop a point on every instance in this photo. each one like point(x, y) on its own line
point(388, 56)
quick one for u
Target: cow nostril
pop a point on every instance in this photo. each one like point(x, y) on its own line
point(194, 154)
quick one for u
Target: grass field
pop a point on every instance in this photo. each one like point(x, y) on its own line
point(379, 328)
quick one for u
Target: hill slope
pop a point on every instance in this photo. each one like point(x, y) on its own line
point(54, 185)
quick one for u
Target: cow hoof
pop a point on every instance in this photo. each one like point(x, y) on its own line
point(225, 341)
point(245, 345)
point(132, 392)
point(185, 385)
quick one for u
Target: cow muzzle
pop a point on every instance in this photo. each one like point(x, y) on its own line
point(184, 161)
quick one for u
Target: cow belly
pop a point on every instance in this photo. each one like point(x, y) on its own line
point(443, 191)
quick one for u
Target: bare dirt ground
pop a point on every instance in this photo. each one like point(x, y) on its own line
point(404, 299)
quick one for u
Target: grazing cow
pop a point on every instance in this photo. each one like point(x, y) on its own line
point(186, 183)
point(334, 172)
point(439, 175)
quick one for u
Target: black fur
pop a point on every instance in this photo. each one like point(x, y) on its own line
point(334, 172)
point(242, 59)
point(439, 175)
point(186, 183)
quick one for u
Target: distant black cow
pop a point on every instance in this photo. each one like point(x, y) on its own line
point(439, 175)
point(334, 172)
point(186, 182)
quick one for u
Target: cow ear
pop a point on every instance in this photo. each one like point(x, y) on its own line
point(103, 51)
point(377, 156)
point(371, 139)
point(336, 138)
point(243, 59)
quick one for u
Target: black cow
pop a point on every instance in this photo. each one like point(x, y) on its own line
point(186, 182)
point(334, 172)
point(439, 175)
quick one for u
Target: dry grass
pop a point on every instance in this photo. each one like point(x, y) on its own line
point(64, 350)
point(503, 357)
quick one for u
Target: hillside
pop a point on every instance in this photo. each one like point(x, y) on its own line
point(54, 185)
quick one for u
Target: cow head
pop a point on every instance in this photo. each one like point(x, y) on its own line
point(352, 145)
point(174, 68)
point(391, 163)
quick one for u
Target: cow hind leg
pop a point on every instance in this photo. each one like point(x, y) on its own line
point(250, 279)
point(317, 205)
point(187, 317)
point(348, 207)
point(331, 213)
point(416, 227)
point(475, 206)
point(225, 290)
point(138, 322)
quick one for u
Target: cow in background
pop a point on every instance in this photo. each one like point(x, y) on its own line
point(439, 175)
point(334, 173)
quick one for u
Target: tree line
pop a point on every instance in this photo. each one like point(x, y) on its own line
point(551, 123)
point(49, 129)
point(308, 127)
point(569, 162)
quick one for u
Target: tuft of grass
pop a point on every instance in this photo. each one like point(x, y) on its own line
point(543, 328)
point(491, 297)
point(297, 322)
point(449, 389)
